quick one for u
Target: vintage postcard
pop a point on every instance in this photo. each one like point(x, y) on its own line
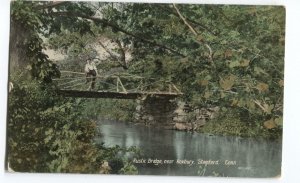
point(145, 88)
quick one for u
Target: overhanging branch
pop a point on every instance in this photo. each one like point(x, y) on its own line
point(51, 4)
point(193, 31)
point(114, 26)
point(121, 60)
point(196, 23)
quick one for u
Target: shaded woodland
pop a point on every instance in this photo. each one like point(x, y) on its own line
point(217, 55)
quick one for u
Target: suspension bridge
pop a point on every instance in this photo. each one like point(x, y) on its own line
point(120, 85)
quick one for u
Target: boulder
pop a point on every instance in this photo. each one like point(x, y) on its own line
point(183, 126)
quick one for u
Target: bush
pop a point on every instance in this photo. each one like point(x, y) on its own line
point(47, 133)
point(231, 123)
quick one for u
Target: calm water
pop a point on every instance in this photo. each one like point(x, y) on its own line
point(212, 155)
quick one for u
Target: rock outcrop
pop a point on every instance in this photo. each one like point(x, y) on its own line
point(189, 118)
point(171, 114)
point(154, 111)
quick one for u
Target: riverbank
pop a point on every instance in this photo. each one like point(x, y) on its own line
point(231, 125)
point(225, 124)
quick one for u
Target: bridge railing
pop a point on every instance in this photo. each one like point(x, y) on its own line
point(122, 83)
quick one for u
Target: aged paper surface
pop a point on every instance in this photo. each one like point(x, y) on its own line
point(145, 89)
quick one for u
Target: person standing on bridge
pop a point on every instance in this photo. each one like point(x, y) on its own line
point(91, 73)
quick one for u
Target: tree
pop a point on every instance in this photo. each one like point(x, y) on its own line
point(230, 56)
point(46, 132)
point(227, 56)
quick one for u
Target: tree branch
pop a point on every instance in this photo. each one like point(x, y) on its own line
point(52, 4)
point(120, 60)
point(203, 27)
point(184, 20)
point(193, 31)
point(109, 52)
point(107, 23)
point(122, 53)
point(259, 105)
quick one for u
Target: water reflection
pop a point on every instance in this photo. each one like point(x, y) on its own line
point(238, 157)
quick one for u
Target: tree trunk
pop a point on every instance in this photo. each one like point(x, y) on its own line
point(17, 50)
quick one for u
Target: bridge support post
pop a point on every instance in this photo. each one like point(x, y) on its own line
point(156, 111)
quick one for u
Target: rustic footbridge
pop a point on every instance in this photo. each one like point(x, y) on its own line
point(154, 96)
point(120, 85)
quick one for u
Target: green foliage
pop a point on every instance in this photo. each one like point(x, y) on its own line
point(123, 110)
point(244, 69)
point(31, 22)
point(246, 72)
point(129, 169)
point(27, 126)
point(231, 123)
point(47, 133)
point(234, 59)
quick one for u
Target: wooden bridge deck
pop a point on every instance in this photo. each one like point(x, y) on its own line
point(119, 95)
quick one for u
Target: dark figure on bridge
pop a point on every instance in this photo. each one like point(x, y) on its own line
point(91, 73)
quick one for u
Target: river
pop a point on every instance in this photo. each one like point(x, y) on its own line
point(169, 152)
